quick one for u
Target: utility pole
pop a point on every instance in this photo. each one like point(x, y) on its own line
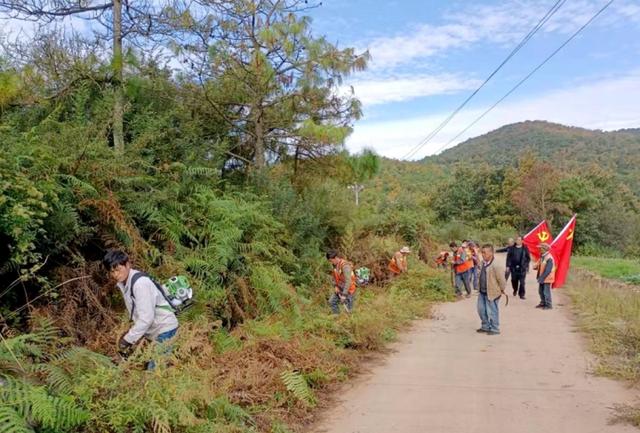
point(356, 187)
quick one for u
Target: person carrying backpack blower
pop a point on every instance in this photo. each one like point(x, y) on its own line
point(152, 315)
point(345, 283)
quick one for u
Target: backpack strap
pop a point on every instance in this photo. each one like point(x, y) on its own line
point(134, 279)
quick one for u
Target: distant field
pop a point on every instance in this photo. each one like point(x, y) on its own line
point(618, 269)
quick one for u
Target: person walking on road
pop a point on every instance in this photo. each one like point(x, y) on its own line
point(461, 267)
point(492, 285)
point(546, 275)
point(345, 283)
point(398, 263)
point(518, 259)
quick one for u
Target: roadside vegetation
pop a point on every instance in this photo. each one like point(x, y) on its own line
point(608, 313)
point(626, 270)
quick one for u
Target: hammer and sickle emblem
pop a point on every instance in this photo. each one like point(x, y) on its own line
point(543, 236)
point(570, 235)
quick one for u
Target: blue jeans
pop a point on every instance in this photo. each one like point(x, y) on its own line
point(463, 279)
point(163, 349)
point(335, 302)
point(489, 313)
point(474, 277)
point(544, 290)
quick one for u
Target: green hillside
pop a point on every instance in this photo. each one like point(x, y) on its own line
point(566, 147)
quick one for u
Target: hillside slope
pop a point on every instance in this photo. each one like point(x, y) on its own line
point(564, 146)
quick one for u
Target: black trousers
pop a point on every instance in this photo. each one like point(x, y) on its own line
point(517, 282)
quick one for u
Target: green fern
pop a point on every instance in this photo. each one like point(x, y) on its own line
point(222, 408)
point(38, 378)
point(12, 422)
point(34, 403)
point(298, 386)
point(82, 187)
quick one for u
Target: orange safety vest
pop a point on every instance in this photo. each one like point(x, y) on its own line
point(338, 275)
point(463, 267)
point(395, 267)
point(551, 278)
point(442, 258)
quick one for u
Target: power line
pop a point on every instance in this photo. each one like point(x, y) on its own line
point(513, 52)
point(514, 88)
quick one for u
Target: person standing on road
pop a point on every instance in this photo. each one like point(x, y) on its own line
point(398, 263)
point(491, 284)
point(474, 253)
point(518, 259)
point(511, 242)
point(461, 267)
point(546, 275)
point(345, 283)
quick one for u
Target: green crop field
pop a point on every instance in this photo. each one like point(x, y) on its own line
point(619, 269)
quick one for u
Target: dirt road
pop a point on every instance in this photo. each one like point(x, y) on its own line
point(443, 377)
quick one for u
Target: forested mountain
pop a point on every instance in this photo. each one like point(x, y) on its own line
point(509, 179)
point(563, 146)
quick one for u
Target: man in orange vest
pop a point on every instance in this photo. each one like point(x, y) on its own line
point(345, 283)
point(462, 268)
point(473, 252)
point(398, 263)
point(546, 275)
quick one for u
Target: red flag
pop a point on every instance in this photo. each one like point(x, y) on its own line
point(535, 237)
point(561, 252)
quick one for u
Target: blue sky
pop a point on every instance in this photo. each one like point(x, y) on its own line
point(428, 55)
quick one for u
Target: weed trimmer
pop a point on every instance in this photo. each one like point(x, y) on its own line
point(345, 304)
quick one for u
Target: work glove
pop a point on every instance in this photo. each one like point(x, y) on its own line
point(124, 348)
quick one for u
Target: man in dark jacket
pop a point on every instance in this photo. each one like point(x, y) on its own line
point(518, 259)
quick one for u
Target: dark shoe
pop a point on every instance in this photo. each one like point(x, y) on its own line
point(547, 308)
point(493, 333)
point(480, 330)
point(523, 298)
point(515, 293)
point(540, 306)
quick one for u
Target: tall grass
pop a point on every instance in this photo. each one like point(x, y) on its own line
point(609, 313)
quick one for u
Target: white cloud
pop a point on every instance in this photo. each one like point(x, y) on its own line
point(603, 104)
point(503, 23)
point(403, 88)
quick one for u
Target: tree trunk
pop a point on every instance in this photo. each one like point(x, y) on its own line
point(259, 158)
point(118, 103)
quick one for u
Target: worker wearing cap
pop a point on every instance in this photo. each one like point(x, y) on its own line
point(398, 263)
point(546, 275)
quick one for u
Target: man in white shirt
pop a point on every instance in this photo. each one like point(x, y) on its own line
point(152, 315)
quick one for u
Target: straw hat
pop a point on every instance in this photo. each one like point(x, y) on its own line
point(405, 250)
